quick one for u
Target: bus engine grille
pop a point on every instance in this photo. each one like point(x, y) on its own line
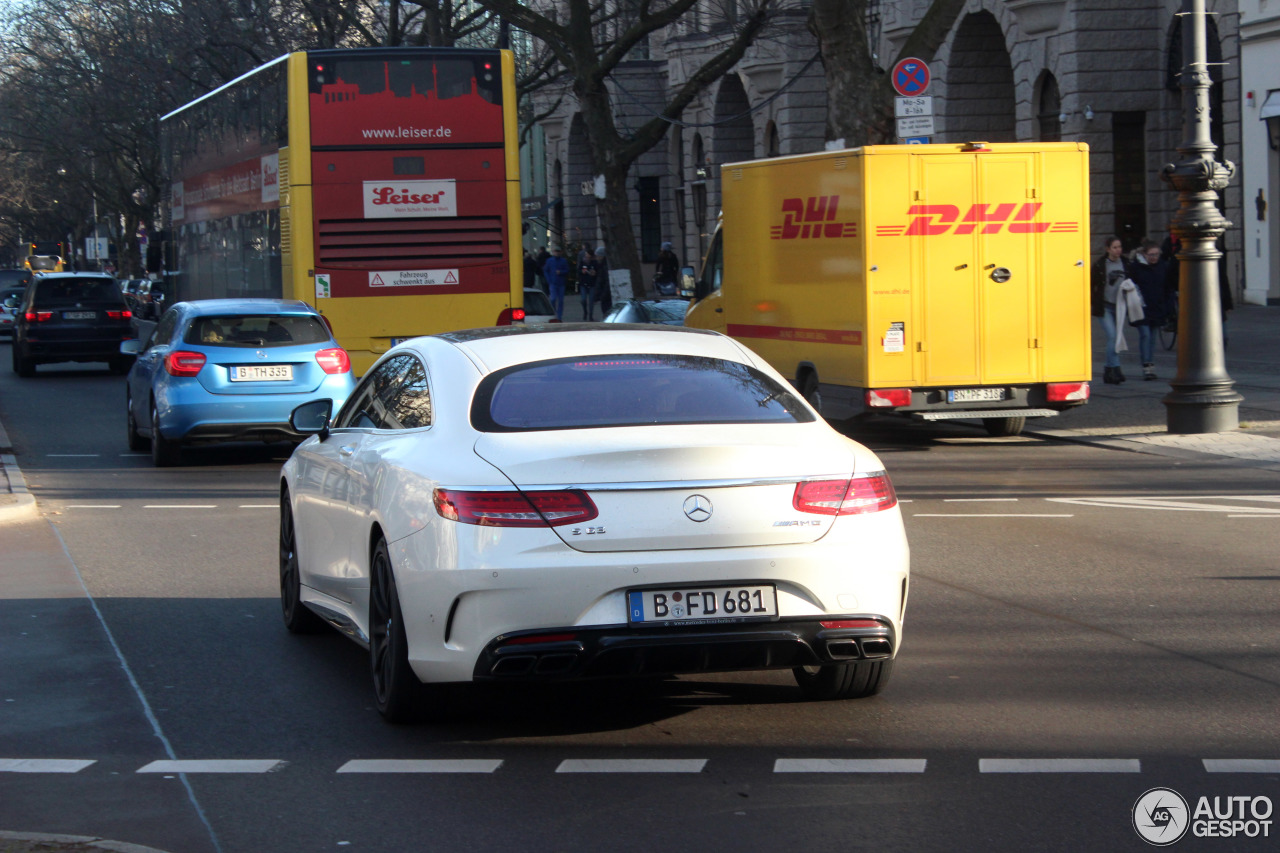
point(401, 243)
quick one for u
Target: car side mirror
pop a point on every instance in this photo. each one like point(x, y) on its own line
point(688, 282)
point(12, 302)
point(133, 346)
point(312, 418)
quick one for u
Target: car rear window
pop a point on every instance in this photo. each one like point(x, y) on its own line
point(537, 303)
point(631, 390)
point(256, 330)
point(67, 292)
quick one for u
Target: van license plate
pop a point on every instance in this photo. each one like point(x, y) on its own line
point(975, 395)
point(262, 373)
point(700, 605)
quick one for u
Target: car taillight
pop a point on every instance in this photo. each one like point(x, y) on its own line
point(863, 493)
point(119, 315)
point(504, 319)
point(851, 623)
point(181, 363)
point(1062, 392)
point(888, 397)
point(333, 360)
point(515, 509)
point(38, 316)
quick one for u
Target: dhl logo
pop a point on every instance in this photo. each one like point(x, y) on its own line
point(933, 219)
point(805, 218)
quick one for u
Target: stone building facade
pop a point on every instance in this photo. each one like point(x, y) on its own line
point(1102, 72)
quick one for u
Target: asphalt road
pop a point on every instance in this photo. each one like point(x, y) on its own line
point(1084, 625)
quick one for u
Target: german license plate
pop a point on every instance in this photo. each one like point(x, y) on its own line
point(699, 605)
point(79, 315)
point(975, 395)
point(262, 373)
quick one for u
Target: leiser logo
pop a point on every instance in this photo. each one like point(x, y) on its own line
point(934, 219)
point(406, 199)
point(815, 216)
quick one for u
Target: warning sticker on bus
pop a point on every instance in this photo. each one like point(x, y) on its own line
point(412, 278)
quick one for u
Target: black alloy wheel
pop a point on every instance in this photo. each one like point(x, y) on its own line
point(298, 618)
point(136, 439)
point(399, 695)
point(855, 680)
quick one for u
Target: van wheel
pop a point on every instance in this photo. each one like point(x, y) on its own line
point(809, 390)
point(1001, 427)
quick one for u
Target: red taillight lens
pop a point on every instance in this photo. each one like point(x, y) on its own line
point(864, 493)
point(879, 398)
point(119, 315)
point(504, 319)
point(333, 360)
point(1062, 392)
point(515, 509)
point(180, 363)
point(517, 315)
point(852, 623)
point(38, 316)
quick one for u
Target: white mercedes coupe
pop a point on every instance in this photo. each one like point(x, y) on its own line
point(586, 501)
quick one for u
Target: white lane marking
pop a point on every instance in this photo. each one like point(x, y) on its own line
point(92, 506)
point(213, 765)
point(44, 765)
point(426, 765)
point(990, 515)
point(259, 506)
point(1241, 765)
point(1254, 515)
point(632, 765)
point(73, 455)
point(1059, 765)
point(180, 506)
point(849, 765)
point(136, 455)
point(1175, 504)
point(978, 500)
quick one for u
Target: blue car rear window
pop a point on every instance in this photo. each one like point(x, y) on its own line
point(256, 330)
point(631, 390)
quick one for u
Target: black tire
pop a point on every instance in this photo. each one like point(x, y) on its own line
point(23, 366)
point(855, 680)
point(136, 440)
point(398, 694)
point(809, 390)
point(1169, 334)
point(1001, 427)
point(165, 453)
point(298, 618)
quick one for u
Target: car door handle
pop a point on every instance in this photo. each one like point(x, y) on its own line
point(347, 449)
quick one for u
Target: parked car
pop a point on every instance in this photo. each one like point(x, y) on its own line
point(529, 504)
point(71, 317)
point(537, 308)
point(150, 299)
point(13, 283)
point(668, 312)
point(129, 287)
point(219, 370)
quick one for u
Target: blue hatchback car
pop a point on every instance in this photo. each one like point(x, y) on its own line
point(219, 370)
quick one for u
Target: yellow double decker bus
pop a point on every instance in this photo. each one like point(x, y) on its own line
point(46, 256)
point(380, 185)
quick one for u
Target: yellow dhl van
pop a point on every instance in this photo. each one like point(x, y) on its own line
point(935, 281)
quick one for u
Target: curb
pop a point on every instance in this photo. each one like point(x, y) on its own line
point(1113, 441)
point(24, 505)
point(79, 842)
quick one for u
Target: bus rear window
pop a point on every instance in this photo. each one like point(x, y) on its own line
point(631, 390)
point(261, 331)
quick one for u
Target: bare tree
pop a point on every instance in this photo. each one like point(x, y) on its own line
point(860, 94)
point(589, 39)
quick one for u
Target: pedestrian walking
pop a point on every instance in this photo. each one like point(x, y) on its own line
point(604, 288)
point(588, 276)
point(1107, 273)
point(1150, 273)
point(540, 260)
point(665, 271)
point(530, 270)
point(556, 272)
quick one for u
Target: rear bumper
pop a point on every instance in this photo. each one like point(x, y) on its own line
point(83, 350)
point(624, 651)
point(219, 418)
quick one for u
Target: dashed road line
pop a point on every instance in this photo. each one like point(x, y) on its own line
point(421, 765)
point(991, 515)
point(1195, 503)
point(179, 506)
point(1059, 765)
point(978, 500)
point(72, 455)
point(849, 765)
point(92, 506)
point(259, 506)
point(44, 765)
point(632, 765)
point(1241, 765)
point(215, 765)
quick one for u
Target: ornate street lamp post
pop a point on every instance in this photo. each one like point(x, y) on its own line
point(1202, 399)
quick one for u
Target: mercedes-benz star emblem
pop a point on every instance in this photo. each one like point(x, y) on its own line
point(697, 508)
point(261, 354)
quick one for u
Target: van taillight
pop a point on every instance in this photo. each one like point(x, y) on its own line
point(862, 493)
point(180, 363)
point(515, 509)
point(333, 360)
point(879, 398)
point(1062, 392)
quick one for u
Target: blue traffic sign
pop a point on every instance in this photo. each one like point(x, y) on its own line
point(916, 140)
point(910, 77)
